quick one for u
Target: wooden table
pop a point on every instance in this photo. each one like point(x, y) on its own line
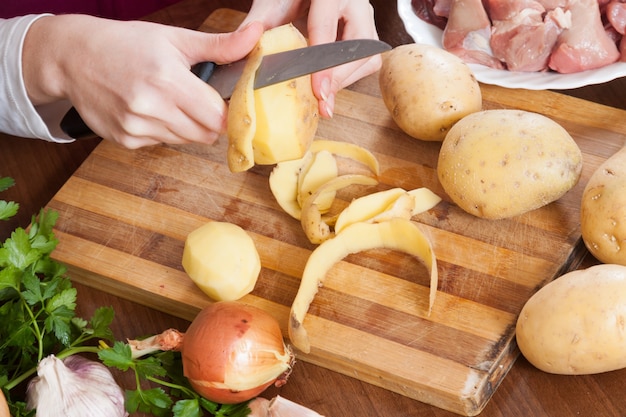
point(525, 390)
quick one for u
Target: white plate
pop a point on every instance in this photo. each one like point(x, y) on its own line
point(423, 32)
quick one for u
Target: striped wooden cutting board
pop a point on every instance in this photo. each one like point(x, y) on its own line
point(125, 214)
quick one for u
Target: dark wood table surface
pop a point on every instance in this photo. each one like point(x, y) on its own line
point(41, 168)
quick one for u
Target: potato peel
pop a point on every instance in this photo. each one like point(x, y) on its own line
point(348, 150)
point(285, 179)
point(396, 234)
point(318, 170)
point(315, 227)
point(385, 205)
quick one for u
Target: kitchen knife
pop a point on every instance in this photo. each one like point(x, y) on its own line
point(274, 68)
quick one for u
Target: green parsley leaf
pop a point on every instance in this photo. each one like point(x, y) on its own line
point(187, 408)
point(119, 356)
point(8, 209)
point(6, 183)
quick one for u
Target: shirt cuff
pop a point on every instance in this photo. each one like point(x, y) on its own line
point(18, 116)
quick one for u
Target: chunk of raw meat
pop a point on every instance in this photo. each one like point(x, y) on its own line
point(585, 45)
point(521, 37)
point(468, 33)
point(616, 15)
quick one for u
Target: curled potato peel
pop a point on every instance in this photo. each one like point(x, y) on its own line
point(385, 205)
point(396, 234)
point(348, 150)
point(315, 227)
point(286, 178)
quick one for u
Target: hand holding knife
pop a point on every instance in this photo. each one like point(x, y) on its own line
point(274, 68)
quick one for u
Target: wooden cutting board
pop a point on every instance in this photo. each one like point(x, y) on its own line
point(125, 214)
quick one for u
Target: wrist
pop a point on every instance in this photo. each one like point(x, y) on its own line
point(41, 69)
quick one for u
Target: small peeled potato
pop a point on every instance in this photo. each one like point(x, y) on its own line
point(603, 211)
point(427, 90)
point(497, 164)
point(274, 123)
point(575, 325)
point(222, 260)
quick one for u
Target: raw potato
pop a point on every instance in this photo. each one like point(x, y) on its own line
point(576, 324)
point(427, 90)
point(603, 211)
point(274, 123)
point(222, 260)
point(502, 163)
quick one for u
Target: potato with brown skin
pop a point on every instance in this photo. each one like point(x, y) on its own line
point(497, 164)
point(603, 211)
point(576, 324)
point(427, 90)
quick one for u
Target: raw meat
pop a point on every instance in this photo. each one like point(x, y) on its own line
point(585, 45)
point(521, 37)
point(468, 32)
point(616, 15)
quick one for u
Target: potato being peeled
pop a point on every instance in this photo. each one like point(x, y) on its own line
point(603, 211)
point(427, 90)
point(497, 164)
point(575, 324)
point(274, 123)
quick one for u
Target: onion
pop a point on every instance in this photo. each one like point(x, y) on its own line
point(4, 407)
point(232, 352)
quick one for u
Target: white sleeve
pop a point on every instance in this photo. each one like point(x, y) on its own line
point(18, 116)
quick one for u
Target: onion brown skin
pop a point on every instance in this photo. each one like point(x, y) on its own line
point(229, 333)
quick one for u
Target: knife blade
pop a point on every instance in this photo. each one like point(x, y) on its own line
point(274, 69)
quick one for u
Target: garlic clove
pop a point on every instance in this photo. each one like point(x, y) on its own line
point(279, 407)
point(74, 387)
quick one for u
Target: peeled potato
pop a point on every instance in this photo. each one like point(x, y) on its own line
point(427, 90)
point(222, 260)
point(274, 123)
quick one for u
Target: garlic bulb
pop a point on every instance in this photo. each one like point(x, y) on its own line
point(74, 387)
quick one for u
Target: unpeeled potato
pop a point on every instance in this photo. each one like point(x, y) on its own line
point(502, 163)
point(603, 211)
point(575, 325)
point(427, 90)
point(274, 123)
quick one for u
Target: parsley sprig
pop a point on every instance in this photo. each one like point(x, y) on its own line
point(156, 401)
point(38, 318)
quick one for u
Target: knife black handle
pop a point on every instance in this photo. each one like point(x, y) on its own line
point(74, 126)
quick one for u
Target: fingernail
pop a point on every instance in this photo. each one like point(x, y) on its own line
point(329, 103)
point(325, 89)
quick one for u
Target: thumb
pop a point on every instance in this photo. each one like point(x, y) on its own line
point(223, 48)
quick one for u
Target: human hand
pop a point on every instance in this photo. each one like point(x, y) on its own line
point(326, 21)
point(131, 81)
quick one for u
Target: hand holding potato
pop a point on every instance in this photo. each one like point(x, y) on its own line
point(326, 21)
